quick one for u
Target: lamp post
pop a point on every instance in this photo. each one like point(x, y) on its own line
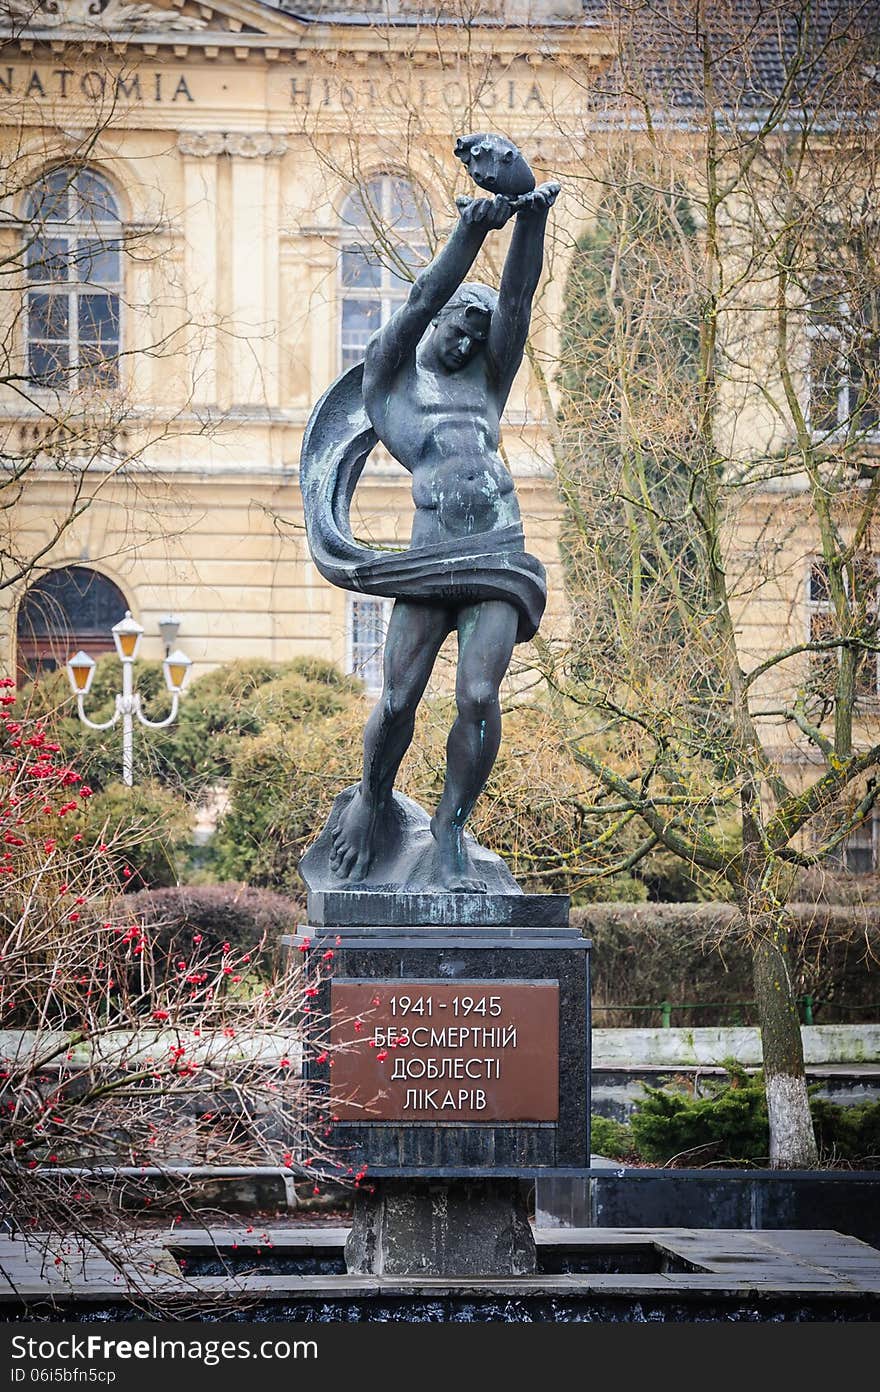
point(81, 669)
point(168, 628)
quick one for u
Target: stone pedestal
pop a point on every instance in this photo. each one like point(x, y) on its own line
point(457, 1227)
point(455, 1068)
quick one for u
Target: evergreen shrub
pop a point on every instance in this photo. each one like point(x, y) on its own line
point(726, 1122)
point(613, 1139)
point(729, 1122)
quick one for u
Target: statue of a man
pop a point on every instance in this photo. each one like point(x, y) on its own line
point(435, 382)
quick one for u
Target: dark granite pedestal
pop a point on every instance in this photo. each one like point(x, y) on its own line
point(349, 908)
point(458, 1067)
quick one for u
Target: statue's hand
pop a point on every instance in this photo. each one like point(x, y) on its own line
point(488, 212)
point(540, 199)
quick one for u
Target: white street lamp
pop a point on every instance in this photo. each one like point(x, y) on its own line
point(127, 637)
point(176, 668)
point(169, 626)
point(81, 669)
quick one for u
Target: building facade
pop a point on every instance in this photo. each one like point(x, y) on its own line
point(207, 183)
point(208, 208)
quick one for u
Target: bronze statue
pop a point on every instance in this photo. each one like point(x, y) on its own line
point(432, 389)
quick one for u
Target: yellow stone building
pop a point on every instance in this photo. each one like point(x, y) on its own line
point(205, 179)
point(238, 155)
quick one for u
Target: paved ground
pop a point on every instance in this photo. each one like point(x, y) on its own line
point(595, 1263)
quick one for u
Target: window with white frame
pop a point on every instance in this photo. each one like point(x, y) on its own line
point(367, 624)
point(844, 374)
point(861, 583)
point(74, 281)
point(858, 853)
point(383, 245)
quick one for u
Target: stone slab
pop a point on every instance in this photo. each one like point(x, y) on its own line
point(707, 1046)
point(769, 1275)
point(360, 908)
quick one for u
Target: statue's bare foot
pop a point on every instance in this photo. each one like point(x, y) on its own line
point(455, 868)
point(352, 841)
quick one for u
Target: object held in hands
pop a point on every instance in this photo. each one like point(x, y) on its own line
point(495, 164)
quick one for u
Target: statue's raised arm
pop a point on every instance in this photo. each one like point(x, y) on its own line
point(434, 286)
point(519, 281)
point(497, 166)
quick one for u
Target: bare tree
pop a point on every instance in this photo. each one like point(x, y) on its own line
point(126, 1058)
point(129, 1057)
point(737, 479)
point(710, 403)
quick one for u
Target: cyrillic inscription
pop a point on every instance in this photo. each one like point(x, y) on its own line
point(445, 1051)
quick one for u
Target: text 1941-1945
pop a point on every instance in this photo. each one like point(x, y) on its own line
point(460, 1051)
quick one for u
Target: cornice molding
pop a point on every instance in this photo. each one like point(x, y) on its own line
point(98, 17)
point(248, 25)
point(243, 144)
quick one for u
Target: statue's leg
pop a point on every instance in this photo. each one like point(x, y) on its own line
point(415, 633)
point(486, 635)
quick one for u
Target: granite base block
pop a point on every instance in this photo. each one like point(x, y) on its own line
point(392, 1148)
point(470, 1228)
point(360, 908)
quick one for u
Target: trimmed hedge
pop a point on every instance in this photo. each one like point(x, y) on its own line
point(642, 953)
point(693, 953)
point(221, 913)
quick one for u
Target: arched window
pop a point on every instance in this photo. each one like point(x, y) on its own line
point(67, 609)
point(72, 255)
point(383, 237)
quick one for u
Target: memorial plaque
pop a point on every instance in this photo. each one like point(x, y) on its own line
point(455, 1051)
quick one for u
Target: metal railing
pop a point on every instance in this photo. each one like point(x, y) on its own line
point(808, 1004)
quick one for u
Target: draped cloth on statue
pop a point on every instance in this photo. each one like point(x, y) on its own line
point(465, 570)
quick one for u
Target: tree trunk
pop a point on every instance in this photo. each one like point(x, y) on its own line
point(792, 1139)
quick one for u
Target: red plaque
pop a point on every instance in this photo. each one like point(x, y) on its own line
point(463, 1051)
